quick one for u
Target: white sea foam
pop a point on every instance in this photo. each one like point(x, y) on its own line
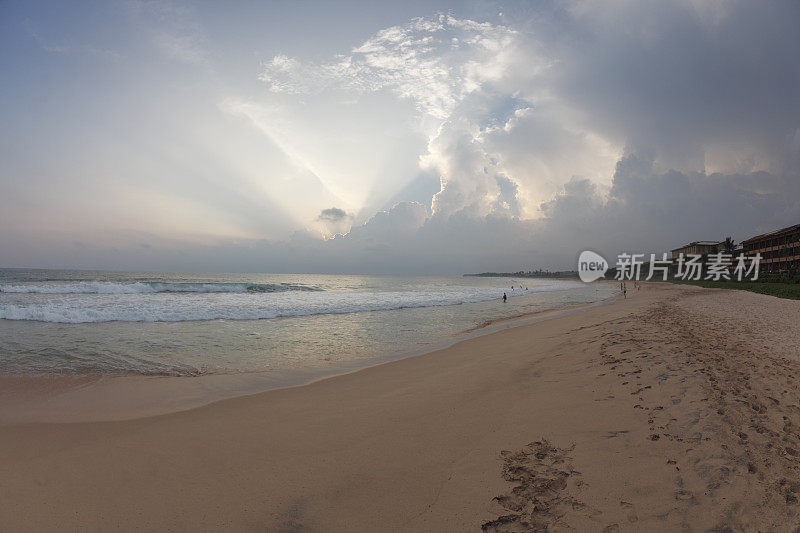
point(183, 324)
point(139, 287)
point(237, 302)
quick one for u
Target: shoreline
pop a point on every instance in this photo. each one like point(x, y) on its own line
point(674, 409)
point(111, 397)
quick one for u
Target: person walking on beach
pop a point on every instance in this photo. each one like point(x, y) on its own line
point(505, 297)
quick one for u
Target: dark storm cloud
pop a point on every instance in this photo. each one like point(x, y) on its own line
point(333, 214)
point(648, 211)
point(681, 78)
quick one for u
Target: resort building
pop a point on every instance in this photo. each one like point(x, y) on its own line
point(697, 248)
point(780, 249)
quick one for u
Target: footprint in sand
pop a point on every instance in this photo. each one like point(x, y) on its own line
point(631, 515)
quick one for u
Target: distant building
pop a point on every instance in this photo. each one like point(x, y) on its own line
point(697, 248)
point(780, 249)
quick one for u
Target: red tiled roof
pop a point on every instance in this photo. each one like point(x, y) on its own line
point(697, 243)
point(773, 233)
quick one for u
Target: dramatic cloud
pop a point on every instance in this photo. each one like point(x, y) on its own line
point(474, 85)
point(335, 220)
point(649, 211)
point(434, 62)
point(700, 85)
point(472, 140)
point(334, 214)
point(525, 115)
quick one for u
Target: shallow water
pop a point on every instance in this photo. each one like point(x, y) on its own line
point(83, 322)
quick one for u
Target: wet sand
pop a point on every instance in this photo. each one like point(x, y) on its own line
point(674, 409)
point(28, 398)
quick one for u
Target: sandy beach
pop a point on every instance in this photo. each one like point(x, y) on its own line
point(674, 409)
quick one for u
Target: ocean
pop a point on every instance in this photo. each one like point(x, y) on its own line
point(179, 324)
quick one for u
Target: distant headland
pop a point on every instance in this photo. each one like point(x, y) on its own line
point(527, 274)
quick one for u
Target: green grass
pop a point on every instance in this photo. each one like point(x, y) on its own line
point(781, 290)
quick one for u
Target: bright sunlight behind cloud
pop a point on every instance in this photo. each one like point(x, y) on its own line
point(415, 139)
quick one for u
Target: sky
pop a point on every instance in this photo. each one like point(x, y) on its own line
point(407, 138)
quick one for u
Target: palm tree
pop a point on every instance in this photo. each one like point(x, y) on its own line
point(729, 245)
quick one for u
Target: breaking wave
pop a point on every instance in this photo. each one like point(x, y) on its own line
point(233, 303)
point(141, 287)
